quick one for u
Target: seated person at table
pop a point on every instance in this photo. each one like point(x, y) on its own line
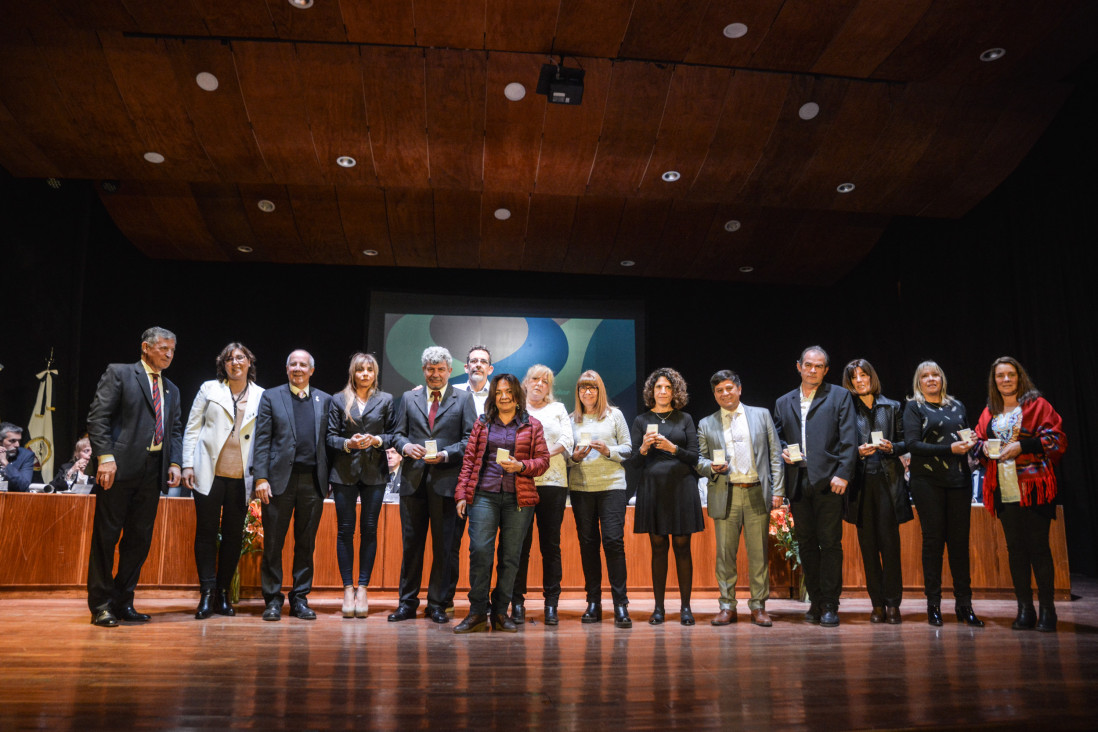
point(16, 463)
point(75, 472)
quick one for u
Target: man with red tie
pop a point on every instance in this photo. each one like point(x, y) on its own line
point(136, 431)
point(439, 417)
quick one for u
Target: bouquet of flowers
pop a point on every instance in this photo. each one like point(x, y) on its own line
point(253, 543)
point(781, 528)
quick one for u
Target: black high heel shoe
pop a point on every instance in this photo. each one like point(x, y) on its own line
point(593, 613)
point(656, 618)
point(966, 616)
point(934, 615)
point(686, 617)
point(205, 605)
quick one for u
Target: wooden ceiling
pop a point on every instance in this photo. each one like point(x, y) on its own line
point(413, 90)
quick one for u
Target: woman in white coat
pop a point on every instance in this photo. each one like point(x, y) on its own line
point(217, 466)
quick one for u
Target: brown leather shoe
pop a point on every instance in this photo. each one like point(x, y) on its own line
point(759, 617)
point(892, 615)
point(724, 617)
point(878, 614)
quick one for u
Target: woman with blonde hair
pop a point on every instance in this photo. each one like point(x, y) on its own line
point(75, 472)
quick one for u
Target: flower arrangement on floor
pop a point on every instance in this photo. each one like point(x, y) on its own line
point(253, 543)
point(781, 528)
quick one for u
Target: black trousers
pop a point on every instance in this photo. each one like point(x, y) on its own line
point(549, 514)
point(346, 503)
point(1026, 530)
point(419, 510)
point(458, 531)
point(593, 510)
point(879, 539)
point(127, 510)
point(300, 501)
point(221, 513)
point(818, 527)
point(945, 515)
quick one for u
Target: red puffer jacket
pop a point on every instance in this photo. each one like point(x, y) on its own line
point(530, 449)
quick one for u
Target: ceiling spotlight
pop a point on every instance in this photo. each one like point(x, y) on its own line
point(346, 161)
point(206, 81)
point(54, 183)
point(514, 91)
point(747, 269)
point(244, 249)
point(671, 176)
point(561, 85)
point(731, 225)
point(110, 186)
point(266, 206)
point(301, 4)
point(627, 263)
point(502, 214)
point(370, 252)
point(154, 157)
point(808, 110)
point(845, 188)
point(735, 30)
point(993, 54)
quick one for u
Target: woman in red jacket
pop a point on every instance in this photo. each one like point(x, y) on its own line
point(505, 452)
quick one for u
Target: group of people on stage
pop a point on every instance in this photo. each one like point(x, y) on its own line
point(496, 454)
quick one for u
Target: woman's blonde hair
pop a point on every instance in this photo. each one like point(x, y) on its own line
point(602, 404)
point(917, 390)
point(539, 371)
point(349, 392)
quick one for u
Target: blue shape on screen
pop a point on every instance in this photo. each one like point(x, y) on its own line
point(611, 352)
point(545, 343)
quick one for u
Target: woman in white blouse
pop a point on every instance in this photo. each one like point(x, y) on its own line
point(552, 494)
point(217, 466)
point(597, 484)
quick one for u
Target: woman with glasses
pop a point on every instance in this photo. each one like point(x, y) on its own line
point(217, 466)
point(596, 483)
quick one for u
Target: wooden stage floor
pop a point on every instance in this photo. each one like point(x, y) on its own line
point(58, 671)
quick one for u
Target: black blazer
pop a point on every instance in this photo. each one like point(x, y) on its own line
point(886, 417)
point(276, 438)
point(121, 421)
point(360, 466)
point(831, 434)
point(453, 422)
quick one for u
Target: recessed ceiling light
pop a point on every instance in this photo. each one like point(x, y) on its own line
point(301, 4)
point(206, 81)
point(514, 91)
point(54, 183)
point(731, 225)
point(502, 214)
point(808, 110)
point(244, 249)
point(110, 186)
point(735, 30)
point(154, 157)
point(671, 176)
point(993, 54)
point(627, 263)
point(845, 188)
point(370, 252)
point(266, 206)
point(346, 161)
point(747, 269)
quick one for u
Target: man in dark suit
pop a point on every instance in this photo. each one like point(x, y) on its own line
point(290, 460)
point(445, 416)
point(819, 419)
point(135, 428)
point(16, 463)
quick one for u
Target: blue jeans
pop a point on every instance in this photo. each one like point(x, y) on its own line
point(489, 513)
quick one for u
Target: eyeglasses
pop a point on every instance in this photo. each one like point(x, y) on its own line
point(484, 361)
point(585, 389)
point(239, 358)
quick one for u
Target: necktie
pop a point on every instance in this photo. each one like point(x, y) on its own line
point(740, 455)
point(435, 396)
point(158, 428)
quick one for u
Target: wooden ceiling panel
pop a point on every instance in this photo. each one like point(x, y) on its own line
point(21, 156)
point(132, 211)
point(512, 130)
point(689, 124)
point(411, 227)
point(502, 241)
point(634, 109)
point(237, 19)
point(639, 235)
point(336, 111)
point(393, 82)
point(593, 231)
point(166, 17)
point(683, 237)
point(521, 25)
point(450, 23)
point(592, 27)
point(223, 213)
point(274, 97)
point(937, 39)
point(174, 202)
point(105, 15)
point(322, 22)
point(365, 224)
point(800, 33)
point(662, 29)
point(711, 46)
point(751, 108)
point(379, 21)
point(457, 228)
point(570, 135)
point(548, 230)
point(871, 31)
point(317, 217)
point(810, 256)
point(149, 89)
point(725, 251)
point(455, 118)
point(276, 237)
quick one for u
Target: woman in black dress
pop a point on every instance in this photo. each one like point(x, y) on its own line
point(665, 442)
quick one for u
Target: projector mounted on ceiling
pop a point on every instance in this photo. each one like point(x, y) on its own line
point(561, 85)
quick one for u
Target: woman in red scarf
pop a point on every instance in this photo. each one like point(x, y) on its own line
point(1020, 483)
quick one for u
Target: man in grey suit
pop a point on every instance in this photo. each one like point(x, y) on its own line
point(744, 485)
point(135, 429)
point(290, 460)
point(821, 420)
point(445, 416)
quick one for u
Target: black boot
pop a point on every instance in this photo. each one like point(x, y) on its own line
point(1046, 623)
point(621, 617)
point(593, 613)
point(968, 617)
point(1027, 617)
point(934, 615)
point(222, 606)
point(551, 615)
point(205, 605)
